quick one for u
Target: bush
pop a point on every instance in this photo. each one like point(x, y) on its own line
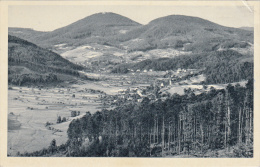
point(59, 119)
point(243, 151)
point(48, 123)
point(73, 113)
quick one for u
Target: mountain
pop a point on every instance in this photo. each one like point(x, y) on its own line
point(94, 28)
point(174, 31)
point(185, 33)
point(247, 28)
point(25, 33)
point(117, 39)
point(30, 64)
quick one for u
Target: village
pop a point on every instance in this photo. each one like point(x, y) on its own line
point(153, 85)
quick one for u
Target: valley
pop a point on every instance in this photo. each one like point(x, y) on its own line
point(30, 108)
point(108, 86)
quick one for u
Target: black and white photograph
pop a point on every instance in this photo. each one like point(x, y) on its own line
point(130, 81)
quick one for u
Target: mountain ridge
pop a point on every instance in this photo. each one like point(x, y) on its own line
point(30, 64)
point(174, 31)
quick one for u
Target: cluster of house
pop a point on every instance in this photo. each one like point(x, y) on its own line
point(178, 71)
point(172, 76)
point(136, 94)
point(138, 70)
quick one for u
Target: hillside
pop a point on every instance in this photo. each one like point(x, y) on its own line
point(28, 63)
point(247, 28)
point(175, 31)
point(219, 67)
point(184, 33)
point(114, 39)
point(94, 28)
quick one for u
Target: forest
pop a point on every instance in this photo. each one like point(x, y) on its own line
point(218, 123)
point(219, 66)
point(30, 64)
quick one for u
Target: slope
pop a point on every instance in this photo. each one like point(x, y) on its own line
point(28, 63)
point(92, 29)
point(184, 33)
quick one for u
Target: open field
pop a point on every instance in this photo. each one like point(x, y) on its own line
point(30, 109)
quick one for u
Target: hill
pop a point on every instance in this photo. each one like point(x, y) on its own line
point(94, 28)
point(247, 28)
point(30, 64)
point(184, 33)
point(225, 66)
point(25, 33)
point(117, 39)
point(174, 31)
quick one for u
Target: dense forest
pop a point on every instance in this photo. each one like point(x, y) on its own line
point(218, 123)
point(220, 67)
point(28, 63)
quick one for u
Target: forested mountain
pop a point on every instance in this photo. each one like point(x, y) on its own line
point(95, 28)
point(214, 124)
point(175, 31)
point(186, 33)
point(247, 28)
point(28, 63)
point(25, 33)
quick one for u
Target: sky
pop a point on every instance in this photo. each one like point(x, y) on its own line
point(48, 18)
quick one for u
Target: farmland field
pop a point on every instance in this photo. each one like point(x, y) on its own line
point(31, 108)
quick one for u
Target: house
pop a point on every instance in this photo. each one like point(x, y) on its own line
point(162, 82)
point(139, 92)
point(139, 100)
point(162, 85)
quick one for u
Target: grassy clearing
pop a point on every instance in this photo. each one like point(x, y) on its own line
point(31, 108)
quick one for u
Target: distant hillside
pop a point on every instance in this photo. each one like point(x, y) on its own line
point(185, 33)
point(28, 63)
point(25, 33)
point(247, 28)
point(94, 28)
point(219, 66)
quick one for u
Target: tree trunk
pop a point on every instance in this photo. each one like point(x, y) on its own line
point(202, 135)
point(179, 136)
point(154, 131)
point(150, 142)
point(228, 126)
point(239, 126)
point(169, 138)
point(157, 131)
point(163, 137)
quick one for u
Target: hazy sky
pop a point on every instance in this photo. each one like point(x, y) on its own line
point(47, 18)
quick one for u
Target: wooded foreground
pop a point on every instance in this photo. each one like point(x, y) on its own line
point(196, 125)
